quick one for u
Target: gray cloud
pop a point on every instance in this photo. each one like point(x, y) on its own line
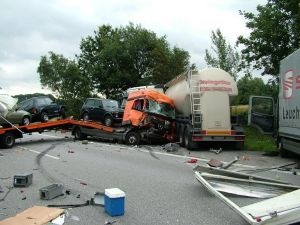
point(29, 29)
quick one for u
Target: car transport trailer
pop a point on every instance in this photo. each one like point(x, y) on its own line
point(9, 135)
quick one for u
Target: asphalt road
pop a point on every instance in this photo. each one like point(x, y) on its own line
point(160, 187)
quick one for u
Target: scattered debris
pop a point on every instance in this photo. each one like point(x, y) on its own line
point(23, 180)
point(98, 198)
point(110, 222)
point(59, 220)
point(226, 166)
point(51, 191)
point(283, 209)
point(284, 168)
point(36, 215)
point(217, 151)
point(3, 198)
point(192, 161)
point(85, 142)
point(214, 163)
point(245, 157)
point(267, 168)
point(243, 184)
point(171, 147)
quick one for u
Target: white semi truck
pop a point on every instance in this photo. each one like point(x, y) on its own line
point(202, 101)
point(283, 120)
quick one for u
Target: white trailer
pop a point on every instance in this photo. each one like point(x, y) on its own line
point(202, 102)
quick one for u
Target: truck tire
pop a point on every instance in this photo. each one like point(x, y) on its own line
point(7, 140)
point(133, 138)
point(189, 144)
point(78, 134)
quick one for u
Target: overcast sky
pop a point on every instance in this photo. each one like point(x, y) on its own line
point(32, 28)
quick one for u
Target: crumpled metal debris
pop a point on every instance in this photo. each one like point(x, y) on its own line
point(214, 163)
point(217, 151)
point(226, 166)
point(171, 147)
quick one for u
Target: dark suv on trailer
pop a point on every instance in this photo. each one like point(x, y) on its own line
point(105, 110)
point(42, 108)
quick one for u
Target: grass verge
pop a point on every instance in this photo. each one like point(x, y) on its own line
point(255, 141)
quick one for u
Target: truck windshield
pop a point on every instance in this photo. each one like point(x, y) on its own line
point(160, 108)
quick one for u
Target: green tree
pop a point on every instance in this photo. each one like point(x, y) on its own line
point(63, 77)
point(248, 86)
point(275, 33)
point(223, 55)
point(115, 59)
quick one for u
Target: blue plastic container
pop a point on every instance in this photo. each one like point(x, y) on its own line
point(114, 201)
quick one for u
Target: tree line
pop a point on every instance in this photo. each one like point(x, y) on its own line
point(116, 58)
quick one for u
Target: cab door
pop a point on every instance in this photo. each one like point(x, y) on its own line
point(261, 113)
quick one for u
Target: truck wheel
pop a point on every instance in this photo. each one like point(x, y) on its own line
point(79, 135)
point(133, 138)
point(7, 140)
point(108, 121)
point(189, 144)
point(44, 117)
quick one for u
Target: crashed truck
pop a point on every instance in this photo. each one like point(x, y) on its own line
point(202, 101)
point(281, 119)
point(148, 117)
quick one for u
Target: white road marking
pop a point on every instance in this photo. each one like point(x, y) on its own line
point(37, 152)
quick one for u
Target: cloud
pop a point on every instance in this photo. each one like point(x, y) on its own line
point(30, 29)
